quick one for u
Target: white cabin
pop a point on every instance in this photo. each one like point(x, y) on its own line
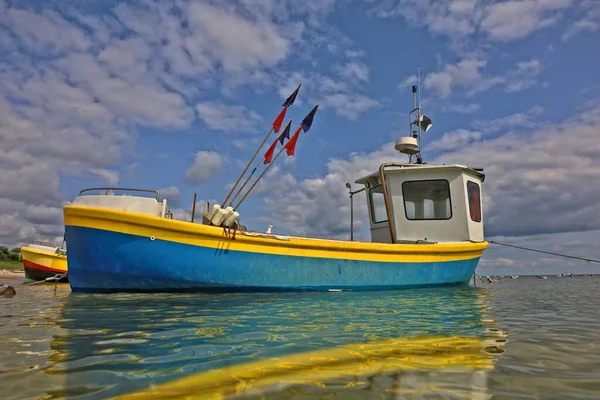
point(425, 203)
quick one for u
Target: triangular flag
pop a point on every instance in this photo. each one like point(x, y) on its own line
point(290, 100)
point(269, 153)
point(290, 146)
point(279, 120)
point(308, 120)
point(285, 133)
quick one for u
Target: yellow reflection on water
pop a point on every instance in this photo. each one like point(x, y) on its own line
point(350, 365)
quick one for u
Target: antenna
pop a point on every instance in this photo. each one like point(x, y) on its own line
point(412, 145)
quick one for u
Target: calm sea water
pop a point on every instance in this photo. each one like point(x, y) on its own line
point(523, 338)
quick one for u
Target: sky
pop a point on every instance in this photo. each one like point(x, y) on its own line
point(177, 96)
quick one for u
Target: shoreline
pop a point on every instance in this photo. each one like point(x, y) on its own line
point(8, 274)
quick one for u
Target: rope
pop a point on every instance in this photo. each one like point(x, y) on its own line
point(546, 252)
point(54, 279)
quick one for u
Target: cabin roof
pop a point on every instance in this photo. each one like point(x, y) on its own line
point(475, 171)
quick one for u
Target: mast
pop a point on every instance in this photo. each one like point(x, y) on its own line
point(421, 123)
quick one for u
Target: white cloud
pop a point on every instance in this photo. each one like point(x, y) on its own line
point(524, 76)
point(462, 108)
point(520, 120)
point(173, 196)
point(448, 17)
point(408, 82)
point(45, 31)
point(235, 42)
point(501, 20)
point(149, 104)
point(469, 74)
point(464, 73)
point(228, 118)
point(355, 70)
point(516, 19)
point(44, 215)
point(454, 140)
point(110, 177)
point(589, 20)
point(206, 164)
point(349, 105)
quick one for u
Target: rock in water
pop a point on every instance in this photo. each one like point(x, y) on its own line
point(7, 291)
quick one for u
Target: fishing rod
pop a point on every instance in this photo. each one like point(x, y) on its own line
point(275, 127)
point(256, 167)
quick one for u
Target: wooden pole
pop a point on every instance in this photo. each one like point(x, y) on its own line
point(194, 208)
point(261, 175)
point(244, 185)
point(248, 165)
point(255, 168)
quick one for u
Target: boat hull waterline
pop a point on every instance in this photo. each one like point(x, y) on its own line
point(136, 252)
point(40, 265)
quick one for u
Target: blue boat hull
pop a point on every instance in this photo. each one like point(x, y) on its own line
point(106, 261)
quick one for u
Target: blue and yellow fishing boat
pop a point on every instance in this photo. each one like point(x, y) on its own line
point(426, 228)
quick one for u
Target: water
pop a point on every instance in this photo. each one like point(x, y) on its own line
point(523, 338)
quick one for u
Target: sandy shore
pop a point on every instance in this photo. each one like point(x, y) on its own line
point(5, 274)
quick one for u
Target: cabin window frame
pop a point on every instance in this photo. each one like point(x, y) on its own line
point(427, 219)
point(470, 200)
point(372, 204)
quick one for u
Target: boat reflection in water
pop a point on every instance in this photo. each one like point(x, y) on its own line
point(410, 342)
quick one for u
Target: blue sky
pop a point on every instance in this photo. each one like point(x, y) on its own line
point(177, 95)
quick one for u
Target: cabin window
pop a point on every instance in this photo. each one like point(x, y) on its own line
point(378, 213)
point(427, 200)
point(474, 195)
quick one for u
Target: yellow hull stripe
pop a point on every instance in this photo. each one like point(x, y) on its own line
point(214, 237)
point(45, 258)
point(352, 361)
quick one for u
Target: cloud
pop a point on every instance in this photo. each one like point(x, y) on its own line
point(350, 105)
point(46, 31)
point(502, 21)
point(206, 164)
point(355, 70)
point(516, 120)
point(462, 108)
point(464, 73)
point(408, 81)
point(515, 19)
point(454, 140)
point(110, 177)
point(589, 20)
point(173, 196)
point(469, 74)
point(524, 76)
point(228, 118)
point(44, 215)
point(234, 42)
point(447, 17)
point(146, 104)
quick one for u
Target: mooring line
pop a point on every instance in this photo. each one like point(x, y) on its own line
point(545, 252)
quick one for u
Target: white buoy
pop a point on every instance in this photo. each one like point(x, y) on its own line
point(221, 216)
point(233, 217)
point(209, 215)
